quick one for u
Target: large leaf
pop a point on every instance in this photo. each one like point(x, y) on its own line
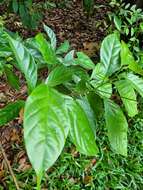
point(110, 54)
point(25, 62)
point(117, 127)
point(46, 126)
point(10, 112)
point(60, 75)
point(51, 35)
point(46, 50)
point(128, 96)
point(136, 82)
point(83, 127)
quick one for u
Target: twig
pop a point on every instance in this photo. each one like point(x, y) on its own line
point(9, 167)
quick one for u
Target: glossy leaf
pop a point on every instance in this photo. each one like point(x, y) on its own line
point(46, 50)
point(69, 58)
point(136, 82)
point(51, 36)
point(84, 61)
point(10, 112)
point(46, 126)
point(110, 54)
point(117, 127)
point(25, 62)
point(128, 96)
point(60, 75)
point(117, 22)
point(82, 127)
point(104, 89)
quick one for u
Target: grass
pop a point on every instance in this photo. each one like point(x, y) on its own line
point(108, 170)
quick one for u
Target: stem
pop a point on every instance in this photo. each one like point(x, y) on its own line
point(39, 182)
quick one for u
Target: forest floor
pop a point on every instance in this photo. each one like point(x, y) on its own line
point(72, 171)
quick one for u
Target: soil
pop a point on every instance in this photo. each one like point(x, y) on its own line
point(71, 23)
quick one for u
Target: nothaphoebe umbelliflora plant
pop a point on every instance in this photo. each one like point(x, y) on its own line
point(70, 101)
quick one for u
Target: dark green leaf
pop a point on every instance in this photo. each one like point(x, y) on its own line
point(10, 112)
point(12, 79)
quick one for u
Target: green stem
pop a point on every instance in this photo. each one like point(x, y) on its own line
point(39, 182)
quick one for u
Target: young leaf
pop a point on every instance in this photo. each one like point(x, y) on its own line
point(46, 49)
point(118, 23)
point(64, 47)
point(51, 35)
point(25, 62)
point(128, 96)
point(10, 112)
point(126, 55)
point(46, 126)
point(110, 54)
point(69, 58)
point(82, 127)
point(60, 75)
point(84, 61)
point(136, 82)
point(117, 127)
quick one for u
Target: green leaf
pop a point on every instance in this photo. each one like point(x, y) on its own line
point(69, 58)
point(117, 23)
point(126, 55)
point(110, 54)
point(99, 73)
point(128, 59)
point(60, 75)
point(117, 127)
point(46, 50)
point(136, 82)
point(128, 96)
point(15, 6)
point(84, 61)
point(83, 127)
point(104, 89)
point(46, 126)
point(25, 62)
point(64, 47)
point(51, 36)
point(12, 79)
point(10, 112)
point(96, 103)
